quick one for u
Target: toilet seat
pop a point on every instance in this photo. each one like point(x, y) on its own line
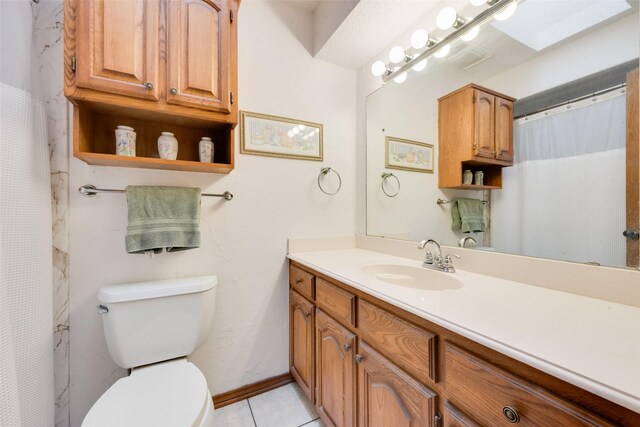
point(170, 393)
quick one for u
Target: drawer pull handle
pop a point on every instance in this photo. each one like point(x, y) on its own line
point(359, 358)
point(347, 347)
point(298, 281)
point(173, 91)
point(511, 414)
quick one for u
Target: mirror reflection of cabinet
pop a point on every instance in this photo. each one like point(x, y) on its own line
point(475, 131)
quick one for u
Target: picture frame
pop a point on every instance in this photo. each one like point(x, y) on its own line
point(274, 136)
point(408, 155)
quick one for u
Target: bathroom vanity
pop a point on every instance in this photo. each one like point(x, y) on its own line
point(376, 339)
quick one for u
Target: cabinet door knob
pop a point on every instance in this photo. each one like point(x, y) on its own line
point(298, 281)
point(631, 234)
point(173, 91)
point(307, 315)
point(359, 358)
point(347, 347)
point(148, 85)
point(511, 414)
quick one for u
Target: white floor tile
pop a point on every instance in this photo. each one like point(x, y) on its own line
point(316, 423)
point(286, 406)
point(236, 415)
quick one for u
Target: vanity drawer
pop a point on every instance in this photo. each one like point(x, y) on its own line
point(409, 347)
point(301, 281)
point(492, 396)
point(340, 304)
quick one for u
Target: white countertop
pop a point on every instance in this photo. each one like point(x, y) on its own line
point(591, 343)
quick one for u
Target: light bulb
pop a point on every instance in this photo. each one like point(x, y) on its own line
point(420, 65)
point(400, 77)
point(477, 2)
point(419, 39)
point(446, 18)
point(471, 34)
point(442, 52)
point(296, 130)
point(507, 12)
point(378, 68)
point(396, 54)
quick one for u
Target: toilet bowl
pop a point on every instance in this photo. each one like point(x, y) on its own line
point(150, 328)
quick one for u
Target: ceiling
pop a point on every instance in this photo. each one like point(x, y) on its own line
point(365, 30)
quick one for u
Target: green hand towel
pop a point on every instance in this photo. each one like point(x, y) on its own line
point(467, 215)
point(162, 217)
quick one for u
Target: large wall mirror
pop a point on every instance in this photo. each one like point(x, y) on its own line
point(573, 188)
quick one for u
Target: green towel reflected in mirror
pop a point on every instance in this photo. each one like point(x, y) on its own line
point(467, 215)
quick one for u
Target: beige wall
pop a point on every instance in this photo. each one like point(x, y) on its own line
point(244, 240)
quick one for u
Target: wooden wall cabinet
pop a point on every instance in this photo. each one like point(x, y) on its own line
point(389, 367)
point(475, 131)
point(154, 65)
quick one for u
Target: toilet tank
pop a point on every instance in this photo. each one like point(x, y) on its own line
point(150, 322)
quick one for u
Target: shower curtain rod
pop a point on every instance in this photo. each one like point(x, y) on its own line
point(580, 98)
point(90, 191)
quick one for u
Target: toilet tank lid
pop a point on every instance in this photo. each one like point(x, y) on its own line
point(155, 289)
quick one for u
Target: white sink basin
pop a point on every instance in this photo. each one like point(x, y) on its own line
point(413, 277)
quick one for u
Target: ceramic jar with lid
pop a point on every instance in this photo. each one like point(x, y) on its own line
point(168, 146)
point(206, 150)
point(125, 141)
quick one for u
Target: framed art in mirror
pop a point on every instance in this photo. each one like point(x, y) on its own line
point(408, 155)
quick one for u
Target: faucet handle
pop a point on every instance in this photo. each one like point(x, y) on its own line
point(448, 263)
point(428, 257)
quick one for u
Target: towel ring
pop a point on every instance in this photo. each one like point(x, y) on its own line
point(324, 172)
point(386, 175)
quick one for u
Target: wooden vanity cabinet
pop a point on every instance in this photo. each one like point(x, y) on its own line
point(373, 364)
point(335, 371)
point(301, 345)
point(390, 397)
point(475, 131)
point(154, 65)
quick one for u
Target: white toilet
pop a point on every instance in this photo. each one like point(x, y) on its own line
point(150, 328)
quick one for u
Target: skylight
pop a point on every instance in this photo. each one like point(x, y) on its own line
point(543, 23)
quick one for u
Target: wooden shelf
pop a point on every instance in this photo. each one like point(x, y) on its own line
point(475, 187)
point(94, 139)
point(100, 159)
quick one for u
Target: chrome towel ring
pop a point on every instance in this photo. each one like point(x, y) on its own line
point(385, 176)
point(324, 172)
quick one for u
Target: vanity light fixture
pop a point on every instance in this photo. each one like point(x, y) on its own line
point(507, 12)
point(420, 39)
point(464, 29)
point(442, 52)
point(448, 18)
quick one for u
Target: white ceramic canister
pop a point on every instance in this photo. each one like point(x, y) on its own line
point(479, 178)
point(168, 146)
point(467, 177)
point(206, 150)
point(125, 141)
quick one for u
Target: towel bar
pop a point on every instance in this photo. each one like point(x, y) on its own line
point(90, 191)
point(444, 202)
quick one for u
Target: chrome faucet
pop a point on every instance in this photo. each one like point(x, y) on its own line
point(467, 239)
point(437, 262)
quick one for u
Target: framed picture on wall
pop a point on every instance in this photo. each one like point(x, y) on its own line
point(265, 135)
point(408, 155)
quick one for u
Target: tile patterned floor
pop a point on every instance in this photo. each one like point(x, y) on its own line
point(286, 406)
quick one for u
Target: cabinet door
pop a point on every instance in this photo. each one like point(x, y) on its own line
point(301, 319)
point(198, 58)
point(335, 367)
point(504, 130)
point(117, 46)
point(387, 396)
point(484, 124)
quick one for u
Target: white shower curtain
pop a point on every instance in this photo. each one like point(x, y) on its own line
point(564, 198)
point(26, 340)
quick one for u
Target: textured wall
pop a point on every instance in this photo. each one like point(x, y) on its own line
point(244, 240)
